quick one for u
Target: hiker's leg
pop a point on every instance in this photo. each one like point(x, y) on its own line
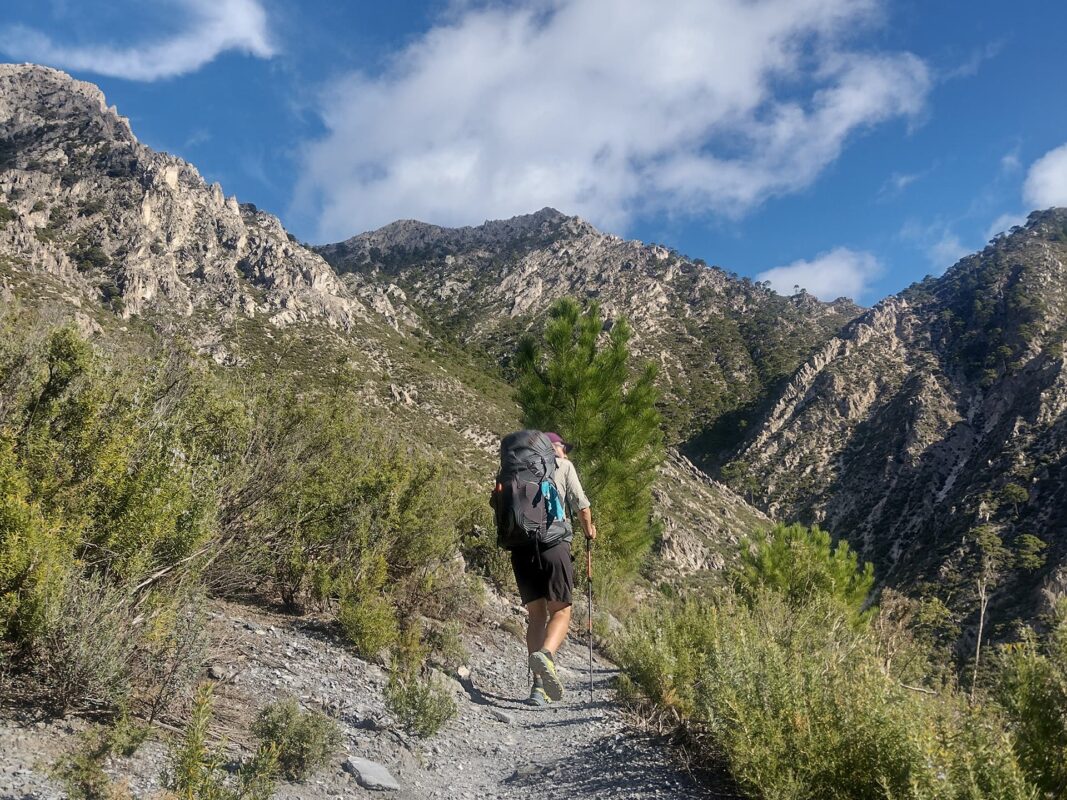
point(536, 625)
point(559, 621)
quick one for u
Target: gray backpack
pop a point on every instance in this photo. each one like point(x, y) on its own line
point(529, 510)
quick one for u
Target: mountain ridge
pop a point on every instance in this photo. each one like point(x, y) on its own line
point(903, 432)
point(681, 309)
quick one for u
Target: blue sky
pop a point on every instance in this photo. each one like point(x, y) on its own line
point(848, 146)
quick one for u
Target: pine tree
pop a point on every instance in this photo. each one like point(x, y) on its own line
point(580, 383)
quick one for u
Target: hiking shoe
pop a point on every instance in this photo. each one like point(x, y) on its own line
point(542, 666)
point(538, 697)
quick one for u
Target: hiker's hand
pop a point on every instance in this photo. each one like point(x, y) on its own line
point(590, 534)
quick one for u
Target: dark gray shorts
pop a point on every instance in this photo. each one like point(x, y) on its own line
point(548, 575)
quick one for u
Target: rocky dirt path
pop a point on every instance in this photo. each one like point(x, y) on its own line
point(496, 747)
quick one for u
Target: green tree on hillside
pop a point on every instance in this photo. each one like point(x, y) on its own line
point(580, 382)
point(803, 565)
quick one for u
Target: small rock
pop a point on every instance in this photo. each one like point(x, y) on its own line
point(463, 673)
point(503, 716)
point(215, 673)
point(370, 775)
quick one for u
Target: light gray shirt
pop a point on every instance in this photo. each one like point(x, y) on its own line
point(569, 487)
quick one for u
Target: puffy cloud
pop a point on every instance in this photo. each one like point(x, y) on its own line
point(215, 26)
point(841, 272)
point(1046, 182)
point(604, 108)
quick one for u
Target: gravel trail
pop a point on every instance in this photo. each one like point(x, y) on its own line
point(496, 747)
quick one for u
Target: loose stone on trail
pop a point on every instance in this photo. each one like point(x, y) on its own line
point(371, 775)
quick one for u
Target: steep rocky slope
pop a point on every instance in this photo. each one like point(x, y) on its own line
point(940, 409)
point(721, 341)
point(92, 205)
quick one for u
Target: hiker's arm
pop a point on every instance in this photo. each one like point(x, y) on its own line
point(585, 516)
point(577, 500)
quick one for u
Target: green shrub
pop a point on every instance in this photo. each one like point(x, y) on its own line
point(484, 557)
point(7, 214)
point(84, 649)
point(171, 650)
point(81, 771)
point(801, 705)
point(1032, 687)
point(446, 643)
point(90, 256)
point(421, 704)
point(302, 740)
point(103, 506)
point(195, 770)
point(418, 700)
point(803, 566)
point(334, 500)
point(369, 623)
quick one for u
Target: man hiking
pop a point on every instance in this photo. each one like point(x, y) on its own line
point(544, 569)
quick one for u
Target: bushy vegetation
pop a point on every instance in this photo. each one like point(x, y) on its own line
point(302, 740)
point(1031, 683)
point(132, 489)
point(807, 691)
point(96, 512)
point(803, 565)
point(81, 771)
point(196, 769)
point(419, 701)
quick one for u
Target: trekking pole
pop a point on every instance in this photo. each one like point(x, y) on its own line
point(589, 608)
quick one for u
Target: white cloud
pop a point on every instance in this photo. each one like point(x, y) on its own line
point(1003, 224)
point(603, 108)
point(947, 250)
point(1046, 182)
point(938, 240)
point(969, 68)
point(1010, 162)
point(215, 26)
point(841, 272)
point(897, 183)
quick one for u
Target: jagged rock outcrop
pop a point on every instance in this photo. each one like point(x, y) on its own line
point(703, 520)
point(98, 209)
point(721, 341)
point(903, 432)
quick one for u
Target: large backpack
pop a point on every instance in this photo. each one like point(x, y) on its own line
point(528, 508)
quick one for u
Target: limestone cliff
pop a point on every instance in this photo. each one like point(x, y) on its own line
point(941, 409)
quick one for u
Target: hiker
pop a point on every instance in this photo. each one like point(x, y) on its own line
point(543, 566)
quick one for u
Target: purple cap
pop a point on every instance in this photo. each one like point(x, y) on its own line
point(555, 438)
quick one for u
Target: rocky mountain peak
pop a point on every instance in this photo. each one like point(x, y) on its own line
point(142, 229)
point(719, 339)
point(31, 94)
point(412, 240)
